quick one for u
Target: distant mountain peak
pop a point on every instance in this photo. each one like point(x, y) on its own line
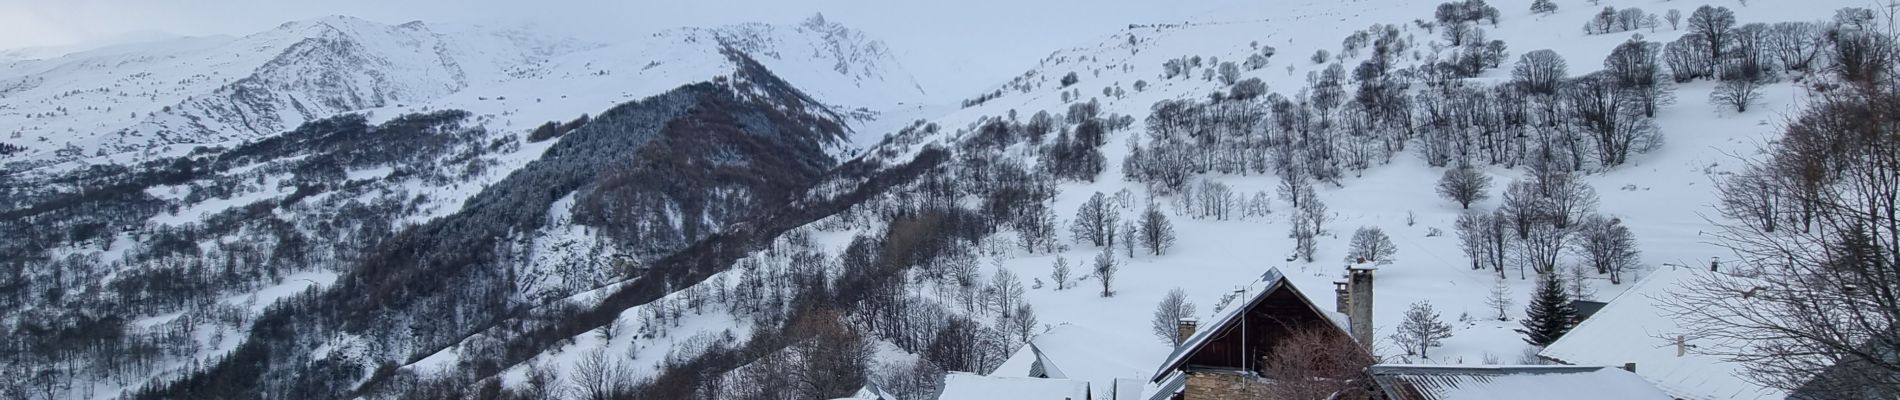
point(816, 20)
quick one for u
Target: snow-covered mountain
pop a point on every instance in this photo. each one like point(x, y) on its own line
point(215, 89)
point(207, 90)
point(338, 133)
point(344, 208)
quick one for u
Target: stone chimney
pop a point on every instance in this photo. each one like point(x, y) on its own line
point(1342, 298)
point(1184, 329)
point(1715, 264)
point(1359, 313)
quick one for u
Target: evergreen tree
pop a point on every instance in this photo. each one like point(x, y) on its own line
point(1549, 314)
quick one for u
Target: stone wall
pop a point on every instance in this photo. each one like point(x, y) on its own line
point(1211, 385)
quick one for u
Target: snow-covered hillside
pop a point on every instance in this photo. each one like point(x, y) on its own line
point(1665, 195)
point(708, 229)
point(445, 115)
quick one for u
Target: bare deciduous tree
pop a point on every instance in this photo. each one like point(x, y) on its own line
point(1094, 221)
point(1486, 239)
point(1607, 245)
point(1500, 299)
point(1464, 185)
point(1317, 363)
point(1005, 291)
point(1823, 296)
point(1737, 94)
point(1157, 234)
point(1713, 25)
point(1168, 314)
point(1060, 273)
point(597, 377)
point(1421, 330)
point(1539, 72)
point(1796, 44)
point(832, 361)
point(1307, 225)
point(1371, 244)
point(1105, 271)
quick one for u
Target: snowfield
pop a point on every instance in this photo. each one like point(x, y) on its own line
point(1665, 196)
point(123, 105)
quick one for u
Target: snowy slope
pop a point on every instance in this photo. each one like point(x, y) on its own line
point(1663, 195)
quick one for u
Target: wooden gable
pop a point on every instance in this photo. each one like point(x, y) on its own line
point(1239, 339)
point(1242, 343)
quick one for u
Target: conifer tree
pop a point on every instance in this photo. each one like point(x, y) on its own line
point(1549, 314)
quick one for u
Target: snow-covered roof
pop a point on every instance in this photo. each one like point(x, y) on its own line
point(870, 392)
point(1166, 388)
point(1436, 382)
point(1633, 329)
point(1021, 363)
point(1269, 282)
point(966, 386)
point(1072, 352)
point(1126, 389)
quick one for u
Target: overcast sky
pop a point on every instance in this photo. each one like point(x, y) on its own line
point(949, 44)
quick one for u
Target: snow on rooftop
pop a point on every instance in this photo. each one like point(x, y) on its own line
point(1430, 382)
point(965, 386)
point(1080, 355)
point(1126, 389)
point(1633, 329)
point(1077, 354)
point(870, 391)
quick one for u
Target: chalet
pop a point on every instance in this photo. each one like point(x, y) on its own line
point(1438, 382)
point(1220, 359)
